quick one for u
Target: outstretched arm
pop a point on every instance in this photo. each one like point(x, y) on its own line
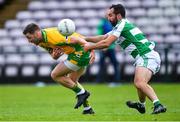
point(77, 40)
point(81, 41)
point(101, 44)
point(96, 39)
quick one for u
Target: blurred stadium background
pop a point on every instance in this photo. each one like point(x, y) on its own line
point(21, 62)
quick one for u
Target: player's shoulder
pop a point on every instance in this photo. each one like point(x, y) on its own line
point(124, 24)
point(76, 34)
point(51, 29)
point(122, 21)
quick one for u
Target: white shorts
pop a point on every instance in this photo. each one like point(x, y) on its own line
point(150, 60)
point(71, 66)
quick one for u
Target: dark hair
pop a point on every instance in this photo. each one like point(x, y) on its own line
point(119, 9)
point(30, 28)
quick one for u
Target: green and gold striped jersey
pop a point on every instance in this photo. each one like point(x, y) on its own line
point(76, 54)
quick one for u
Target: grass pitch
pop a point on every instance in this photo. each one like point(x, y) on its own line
point(55, 103)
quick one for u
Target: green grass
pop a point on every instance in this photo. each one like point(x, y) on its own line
point(55, 103)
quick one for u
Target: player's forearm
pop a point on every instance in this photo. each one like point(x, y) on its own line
point(81, 41)
point(99, 45)
point(95, 39)
point(78, 40)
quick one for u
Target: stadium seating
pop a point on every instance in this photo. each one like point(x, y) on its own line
point(44, 70)
point(158, 19)
point(149, 3)
point(3, 33)
point(24, 15)
point(27, 71)
point(11, 24)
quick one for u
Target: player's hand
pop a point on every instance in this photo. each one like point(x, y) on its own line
point(57, 52)
point(86, 47)
point(92, 56)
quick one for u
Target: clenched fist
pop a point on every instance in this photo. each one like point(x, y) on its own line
point(57, 52)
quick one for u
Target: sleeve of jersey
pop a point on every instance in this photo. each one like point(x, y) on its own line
point(118, 29)
point(109, 33)
point(68, 40)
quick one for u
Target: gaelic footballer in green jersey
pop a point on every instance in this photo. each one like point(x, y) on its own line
point(133, 41)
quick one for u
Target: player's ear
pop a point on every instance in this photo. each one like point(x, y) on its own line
point(119, 16)
point(38, 33)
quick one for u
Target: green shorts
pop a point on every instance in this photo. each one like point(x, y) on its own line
point(77, 60)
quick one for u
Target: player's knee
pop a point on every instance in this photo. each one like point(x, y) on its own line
point(138, 84)
point(54, 76)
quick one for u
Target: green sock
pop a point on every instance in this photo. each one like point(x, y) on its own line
point(76, 89)
point(86, 104)
point(80, 86)
point(157, 103)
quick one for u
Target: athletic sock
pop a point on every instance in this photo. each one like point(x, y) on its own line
point(81, 92)
point(78, 90)
point(142, 103)
point(156, 102)
point(82, 89)
point(86, 105)
point(87, 108)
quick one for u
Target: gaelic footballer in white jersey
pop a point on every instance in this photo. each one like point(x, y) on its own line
point(133, 41)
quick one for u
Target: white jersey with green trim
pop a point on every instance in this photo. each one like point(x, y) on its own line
point(131, 38)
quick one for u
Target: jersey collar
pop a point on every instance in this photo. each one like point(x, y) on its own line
point(44, 35)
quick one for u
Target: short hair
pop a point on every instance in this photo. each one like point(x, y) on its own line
point(31, 28)
point(119, 9)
